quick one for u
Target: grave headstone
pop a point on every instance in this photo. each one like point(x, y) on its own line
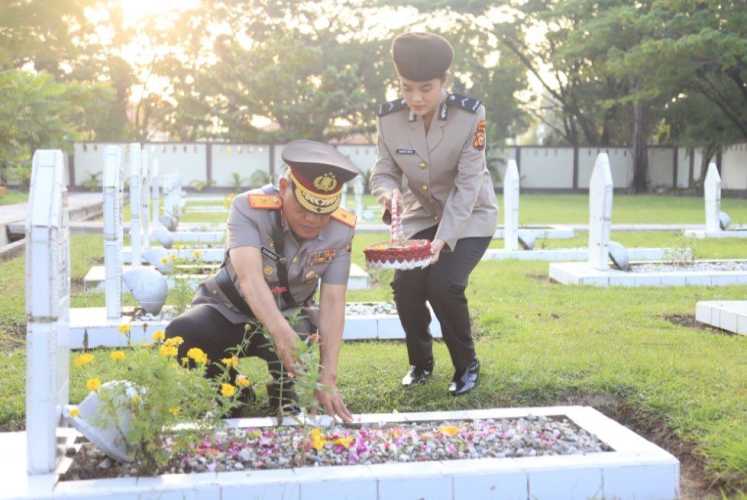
point(511, 207)
point(47, 309)
point(145, 198)
point(135, 170)
point(113, 232)
point(600, 213)
point(712, 192)
point(155, 192)
point(358, 190)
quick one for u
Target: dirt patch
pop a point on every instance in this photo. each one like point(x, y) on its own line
point(695, 482)
point(542, 278)
point(12, 336)
point(688, 321)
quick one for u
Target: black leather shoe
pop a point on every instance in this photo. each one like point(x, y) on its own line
point(465, 382)
point(417, 375)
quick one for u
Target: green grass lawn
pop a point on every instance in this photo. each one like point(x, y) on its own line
point(540, 343)
point(13, 197)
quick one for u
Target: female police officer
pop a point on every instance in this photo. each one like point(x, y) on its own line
point(432, 146)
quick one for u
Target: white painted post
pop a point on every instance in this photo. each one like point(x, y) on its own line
point(145, 199)
point(600, 213)
point(712, 193)
point(155, 192)
point(358, 189)
point(113, 232)
point(511, 207)
point(135, 162)
point(47, 309)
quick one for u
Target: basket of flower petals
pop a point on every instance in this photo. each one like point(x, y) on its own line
point(398, 253)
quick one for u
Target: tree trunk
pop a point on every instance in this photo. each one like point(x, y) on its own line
point(640, 152)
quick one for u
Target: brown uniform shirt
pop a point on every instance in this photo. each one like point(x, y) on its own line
point(326, 257)
point(446, 179)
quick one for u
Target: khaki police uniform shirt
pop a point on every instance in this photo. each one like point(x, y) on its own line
point(445, 174)
point(326, 257)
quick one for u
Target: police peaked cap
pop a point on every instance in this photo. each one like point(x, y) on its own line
point(420, 56)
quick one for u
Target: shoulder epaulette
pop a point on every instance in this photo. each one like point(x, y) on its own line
point(344, 216)
point(465, 102)
point(391, 107)
point(266, 201)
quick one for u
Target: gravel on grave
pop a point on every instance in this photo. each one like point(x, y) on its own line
point(690, 267)
point(268, 447)
point(370, 308)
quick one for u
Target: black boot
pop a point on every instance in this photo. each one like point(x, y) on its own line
point(417, 375)
point(464, 382)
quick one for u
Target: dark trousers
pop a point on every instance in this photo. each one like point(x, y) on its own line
point(443, 286)
point(204, 327)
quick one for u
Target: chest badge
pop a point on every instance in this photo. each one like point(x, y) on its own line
point(311, 276)
point(268, 270)
point(323, 257)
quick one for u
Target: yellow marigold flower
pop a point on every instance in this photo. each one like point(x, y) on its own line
point(317, 440)
point(243, 381)
point(74, 411)
point(168, 351)
point(232, 362)
point(158, 336)
point(82, 359)
point(175, 410)
point(175, 341)
point(164, 260)
point(124, 328)
point(449, 430)
point(196, 254)
point(93, 384)
point(117, 355)
point(172, 257)
point(198, 355)
point(227, 390)
point(345, 441)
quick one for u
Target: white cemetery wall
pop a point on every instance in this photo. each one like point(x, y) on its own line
point(363, 156)
point(547, 168)
point(660, 166)
point(698, 169)
point(683, 168)
point(242, 159)
point(187, 160)
point(734, 167)
point(621, 165)
point(279, 164)
point(89, 160)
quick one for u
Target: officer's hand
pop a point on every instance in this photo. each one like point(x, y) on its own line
point(436, 247)
point(287, 350)
point(331, 400)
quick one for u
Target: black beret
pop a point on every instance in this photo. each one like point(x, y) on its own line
point(421, 56)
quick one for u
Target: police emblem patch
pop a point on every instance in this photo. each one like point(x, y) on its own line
point(478, 142)
point(326, 182)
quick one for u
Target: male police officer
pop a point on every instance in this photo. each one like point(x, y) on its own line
point(281, 241)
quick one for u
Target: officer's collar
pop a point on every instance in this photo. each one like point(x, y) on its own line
point(442, 111)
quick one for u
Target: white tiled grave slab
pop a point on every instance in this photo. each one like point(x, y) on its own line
point(551, 232)
point(89, 326)
point(582, 273)
point(206, 254)
point(95, 278)
point(729, 315)
point(703, 234)
point(569, 254)
point(635, 469)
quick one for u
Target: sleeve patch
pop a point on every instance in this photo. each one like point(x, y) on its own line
point(347, 218)
point(478, 142)
point(266, 201)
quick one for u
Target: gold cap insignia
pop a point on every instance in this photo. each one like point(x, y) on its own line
point(326, 182)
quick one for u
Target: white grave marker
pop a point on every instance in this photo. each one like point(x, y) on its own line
point(712, 192)
point(511, 207)
point(47, 309)
point(113, 232)
point(145, 198)
point(358, 189)
point(155, 192)
point(135, 170)
point(600, 213)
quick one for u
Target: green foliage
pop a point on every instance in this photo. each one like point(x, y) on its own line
point(259, 178)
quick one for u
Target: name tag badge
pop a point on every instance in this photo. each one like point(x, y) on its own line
point(403, 151)
point(270, 254)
